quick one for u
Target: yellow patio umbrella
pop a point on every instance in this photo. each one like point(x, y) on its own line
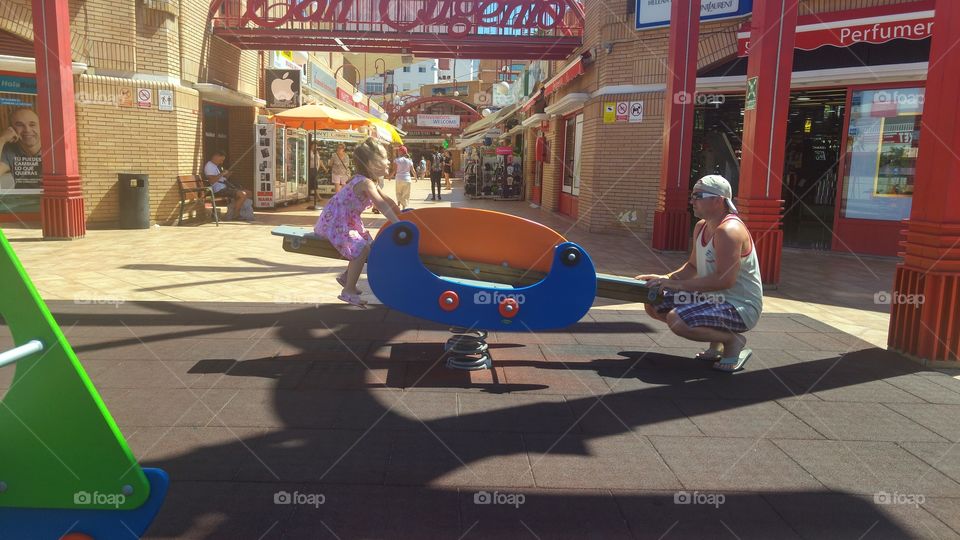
point(317, 117)
point(386, 130)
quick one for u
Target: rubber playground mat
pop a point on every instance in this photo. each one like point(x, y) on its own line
point(307, 421)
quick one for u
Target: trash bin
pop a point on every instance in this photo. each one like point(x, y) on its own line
point(134, 200)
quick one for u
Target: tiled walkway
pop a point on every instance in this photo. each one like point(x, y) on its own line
point(239, 262)
point(228, 363)
point(607, 429)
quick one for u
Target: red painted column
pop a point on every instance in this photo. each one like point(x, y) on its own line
point(925, 315)
point(671, 220)
point(61, 205)
point(772, 30)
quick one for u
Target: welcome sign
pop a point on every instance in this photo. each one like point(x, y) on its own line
point(656, 13)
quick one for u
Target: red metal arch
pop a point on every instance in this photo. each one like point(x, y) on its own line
point(407, 114)
point(477, 29)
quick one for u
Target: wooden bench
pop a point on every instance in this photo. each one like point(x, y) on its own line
point(193, 190)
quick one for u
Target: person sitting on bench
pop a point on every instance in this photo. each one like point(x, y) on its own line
point(218, 179)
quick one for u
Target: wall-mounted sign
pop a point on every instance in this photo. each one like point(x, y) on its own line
point(322, 80)
point(656, 13)
point(125, 97)
point(609, 112)
point(636, 111)
point(165, 100)
point(438, 120)
point(283, 88)
point(144, 98)
point(849, 28)
point(623, 111)
point(21, 149)
point(750, 103)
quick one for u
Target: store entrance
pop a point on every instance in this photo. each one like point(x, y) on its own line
point(811, 164)
point(814, 131)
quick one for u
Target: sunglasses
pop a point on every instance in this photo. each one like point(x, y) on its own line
point(701, 195)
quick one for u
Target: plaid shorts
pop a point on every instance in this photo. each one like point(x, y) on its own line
point(702, 309)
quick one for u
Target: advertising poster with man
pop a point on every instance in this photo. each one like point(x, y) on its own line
point(20, 147)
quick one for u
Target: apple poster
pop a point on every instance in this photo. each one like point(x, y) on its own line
point(283, 88)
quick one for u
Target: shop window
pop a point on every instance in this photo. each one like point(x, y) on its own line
point(882, 145)
point(571, 155)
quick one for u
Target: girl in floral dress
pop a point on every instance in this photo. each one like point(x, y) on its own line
point(340, 221)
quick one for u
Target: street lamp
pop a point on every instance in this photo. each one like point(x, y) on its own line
point(358, 95)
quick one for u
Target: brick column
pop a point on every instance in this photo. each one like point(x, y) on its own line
point(671, 220)
point(61, 205)
point(925, 315)
point(772, 30)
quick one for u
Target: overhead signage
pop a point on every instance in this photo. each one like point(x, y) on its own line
point(322, 80)
point(283, 88)
point(438, 120)
point(853, 28)
point(656, 13)
point(454, 17)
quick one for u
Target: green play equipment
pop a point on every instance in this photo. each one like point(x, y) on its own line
point(62, 456)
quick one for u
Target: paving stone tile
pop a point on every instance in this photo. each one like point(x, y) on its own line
point(397, 512)
point(623, 461)
point(933, 388)
point(164, 407)
point(320, 456)
point(352, 375)
point(513, 412)
point(437, 377)
point(658, 515)
point(222, 510)
point(556, 378)
point(567, 515)
point(839, 515)
point(131, 348)
point(724, 465)
point(859, 422)
point(842, 386)
point(479, 459)
point(868, 467)
point(947, 511)
point(943, 457)
point(728, 418)
point(618, 413)
point(941, 419)
point(213, 453)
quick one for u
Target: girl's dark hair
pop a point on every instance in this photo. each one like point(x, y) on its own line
point(365, 152)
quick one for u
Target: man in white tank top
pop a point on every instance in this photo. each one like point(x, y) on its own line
point(717, 294)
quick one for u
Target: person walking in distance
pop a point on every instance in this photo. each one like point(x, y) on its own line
point(402, 172)
point(436, 174)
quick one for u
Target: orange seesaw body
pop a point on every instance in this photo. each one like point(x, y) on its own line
point(472, 234)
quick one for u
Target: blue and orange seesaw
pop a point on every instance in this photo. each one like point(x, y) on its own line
point(478, 270)
point(66, 471)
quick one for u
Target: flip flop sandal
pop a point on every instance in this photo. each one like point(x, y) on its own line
point(342, 280)
point(734, 363)
point(709, 355)
point(353, 299)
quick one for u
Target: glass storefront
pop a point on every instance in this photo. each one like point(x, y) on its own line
point(883, 139)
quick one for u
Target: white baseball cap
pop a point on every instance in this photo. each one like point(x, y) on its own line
point(717, 185)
